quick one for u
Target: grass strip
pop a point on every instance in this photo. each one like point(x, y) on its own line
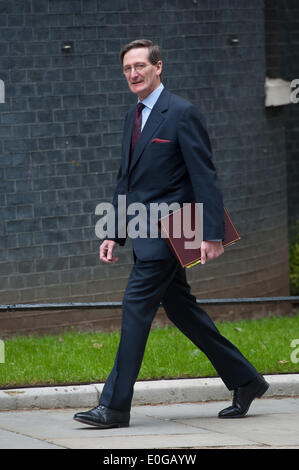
point(76, 357)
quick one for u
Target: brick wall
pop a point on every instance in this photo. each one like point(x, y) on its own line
point(61, 129)
point(290, 70)
point(282, 53)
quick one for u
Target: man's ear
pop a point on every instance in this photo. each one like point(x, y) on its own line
point(159, 66)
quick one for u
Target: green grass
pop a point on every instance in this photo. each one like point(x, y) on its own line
point(74, 357)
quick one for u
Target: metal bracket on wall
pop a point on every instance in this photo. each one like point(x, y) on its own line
point(277, 92)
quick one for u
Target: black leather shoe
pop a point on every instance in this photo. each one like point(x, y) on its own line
point(104, 417)
point(243, 397)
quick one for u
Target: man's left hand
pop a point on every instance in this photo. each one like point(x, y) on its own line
point(210, 250)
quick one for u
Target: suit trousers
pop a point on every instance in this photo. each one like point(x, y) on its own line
point(150, 283)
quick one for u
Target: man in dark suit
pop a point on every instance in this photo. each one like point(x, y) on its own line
point(166, 157)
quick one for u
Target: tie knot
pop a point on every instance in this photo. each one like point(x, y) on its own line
point(140, 107)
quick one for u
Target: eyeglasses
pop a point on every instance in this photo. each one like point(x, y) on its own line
point(138, 68)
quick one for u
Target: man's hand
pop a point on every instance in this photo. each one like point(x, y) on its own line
point(106, 251)
point(210, 250)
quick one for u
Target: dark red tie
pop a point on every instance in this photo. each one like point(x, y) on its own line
point(137, 125)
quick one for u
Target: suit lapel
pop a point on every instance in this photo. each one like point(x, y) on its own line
point(153, 122)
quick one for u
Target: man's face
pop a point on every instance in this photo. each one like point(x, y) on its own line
point(146, 78)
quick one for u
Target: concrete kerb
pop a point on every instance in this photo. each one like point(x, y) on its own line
point(145, 393)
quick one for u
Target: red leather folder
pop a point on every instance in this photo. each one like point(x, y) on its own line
point(171, 225)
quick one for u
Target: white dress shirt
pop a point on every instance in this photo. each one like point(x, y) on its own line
point(149, 102)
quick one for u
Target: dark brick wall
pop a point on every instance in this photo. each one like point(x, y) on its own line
point(61, 129)
point(282, 53)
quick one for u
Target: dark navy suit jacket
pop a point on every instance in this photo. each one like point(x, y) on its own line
point(178, 170)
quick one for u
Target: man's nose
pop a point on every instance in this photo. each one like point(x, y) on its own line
point(134, 72)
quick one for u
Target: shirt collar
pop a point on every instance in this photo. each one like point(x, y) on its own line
point(151, 99)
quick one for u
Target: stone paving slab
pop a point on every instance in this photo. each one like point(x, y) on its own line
point(270, 423)
point(12, 440)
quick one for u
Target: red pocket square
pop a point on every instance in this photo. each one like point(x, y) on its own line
point(155, 141)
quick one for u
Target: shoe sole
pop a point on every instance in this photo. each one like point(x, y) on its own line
point(259, 394)
point(103, 426)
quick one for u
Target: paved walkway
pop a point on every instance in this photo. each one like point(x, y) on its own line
point(166, 414)
point(270, 423)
